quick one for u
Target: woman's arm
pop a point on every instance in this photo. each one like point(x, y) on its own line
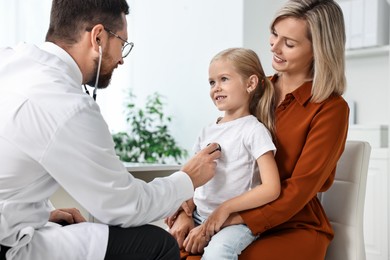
point(267, 191)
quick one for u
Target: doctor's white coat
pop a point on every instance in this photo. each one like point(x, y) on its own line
point(51, 134)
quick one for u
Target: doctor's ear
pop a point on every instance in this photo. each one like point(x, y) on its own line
point(98, 36)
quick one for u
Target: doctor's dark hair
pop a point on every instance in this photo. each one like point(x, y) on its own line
point(326, 31)
point(68, 18)
point(262, 98)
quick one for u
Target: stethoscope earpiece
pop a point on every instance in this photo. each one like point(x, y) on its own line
point(98, 73)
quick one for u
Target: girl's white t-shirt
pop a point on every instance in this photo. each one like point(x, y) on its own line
point(242, 142)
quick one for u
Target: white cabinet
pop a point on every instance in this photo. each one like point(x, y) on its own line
point(365, 22)
point(376, 208)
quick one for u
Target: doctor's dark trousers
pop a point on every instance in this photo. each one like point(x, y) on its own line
point(141, 243)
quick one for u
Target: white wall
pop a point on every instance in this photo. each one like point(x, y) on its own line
point(23, 20)
point(258, 16)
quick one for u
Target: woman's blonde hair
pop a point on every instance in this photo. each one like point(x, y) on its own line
point(262, 99)
point(326, 32)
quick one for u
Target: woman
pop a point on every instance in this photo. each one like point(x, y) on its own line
point(307, 40)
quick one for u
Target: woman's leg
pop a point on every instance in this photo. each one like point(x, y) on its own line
point(228, 243)
point(291, 244)
point(141, 243)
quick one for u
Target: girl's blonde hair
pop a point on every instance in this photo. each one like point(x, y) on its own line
point(326, 32)
point(262, 99)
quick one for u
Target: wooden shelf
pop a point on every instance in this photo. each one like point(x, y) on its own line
point(368, 52)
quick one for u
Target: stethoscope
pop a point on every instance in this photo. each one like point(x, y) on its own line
point(94, 94)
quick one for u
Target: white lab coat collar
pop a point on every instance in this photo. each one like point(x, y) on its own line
point(65, 57)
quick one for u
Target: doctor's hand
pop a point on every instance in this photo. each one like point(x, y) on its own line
point(201, 167)
point(68, 215)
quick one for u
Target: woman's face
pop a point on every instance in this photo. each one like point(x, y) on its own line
point(293, 51)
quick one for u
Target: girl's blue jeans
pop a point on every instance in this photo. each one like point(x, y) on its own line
point(228, 243)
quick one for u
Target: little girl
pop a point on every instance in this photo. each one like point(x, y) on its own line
point(246, 174)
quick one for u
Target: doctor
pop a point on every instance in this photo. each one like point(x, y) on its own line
point(52, 134)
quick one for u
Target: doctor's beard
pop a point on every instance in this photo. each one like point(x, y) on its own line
point(105, 72)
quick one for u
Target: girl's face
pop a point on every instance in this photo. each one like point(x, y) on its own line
point(293, 51)
point(228, 89)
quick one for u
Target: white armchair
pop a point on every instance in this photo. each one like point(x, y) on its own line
point(344, 203)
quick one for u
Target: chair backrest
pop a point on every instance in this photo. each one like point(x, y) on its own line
point(344, 203)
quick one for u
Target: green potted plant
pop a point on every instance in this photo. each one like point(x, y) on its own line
point(148, 139)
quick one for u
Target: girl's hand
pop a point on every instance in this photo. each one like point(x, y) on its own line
point(215, 221)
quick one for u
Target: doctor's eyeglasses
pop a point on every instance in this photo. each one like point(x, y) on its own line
point(126, 48)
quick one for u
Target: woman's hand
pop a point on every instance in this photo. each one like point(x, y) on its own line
point(69, 215)
point(181, 226)
point(196, 240)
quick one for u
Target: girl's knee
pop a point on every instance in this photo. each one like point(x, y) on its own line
point(219, 251)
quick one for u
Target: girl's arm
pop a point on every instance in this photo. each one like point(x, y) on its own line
point(267, 191)
point(260, 195)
